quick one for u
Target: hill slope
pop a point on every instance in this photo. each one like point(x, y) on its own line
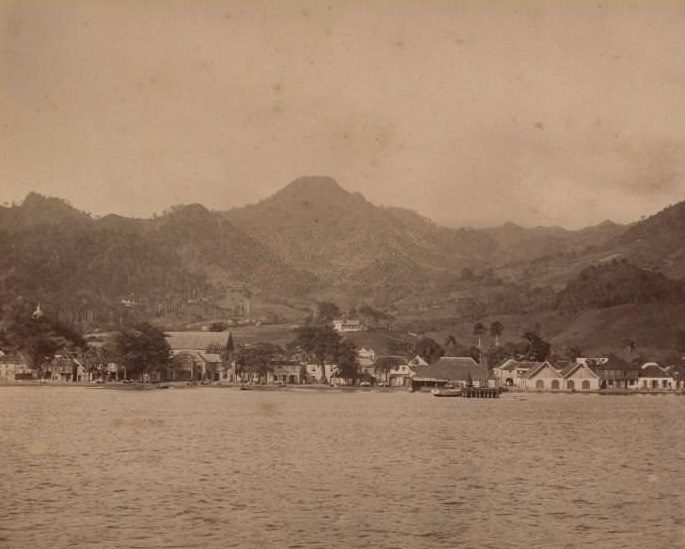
point(83, 268)
point(314, 224)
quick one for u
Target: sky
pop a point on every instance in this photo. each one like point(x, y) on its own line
point(473, 113)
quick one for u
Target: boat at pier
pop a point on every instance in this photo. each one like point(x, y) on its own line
point(446, 392)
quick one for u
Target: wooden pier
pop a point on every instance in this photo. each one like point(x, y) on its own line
point(480, 392)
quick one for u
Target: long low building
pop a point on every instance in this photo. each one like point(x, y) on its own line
point(458, 371)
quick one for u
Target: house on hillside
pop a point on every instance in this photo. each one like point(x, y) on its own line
point(512, 373)
point(615, 373)
point(580, 377)
point(543, 377)
point(459, 371)
point(343, 325)
point(652, 377)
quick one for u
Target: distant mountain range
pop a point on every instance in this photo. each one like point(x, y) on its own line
point(313, 240)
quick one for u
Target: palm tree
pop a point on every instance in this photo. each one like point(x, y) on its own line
point(479, 331)
point(496, 329)
point(450, 344)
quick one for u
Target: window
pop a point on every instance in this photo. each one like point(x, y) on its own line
point(585, 385)
point(570, 384)
point(539, 384)
point(555, 384)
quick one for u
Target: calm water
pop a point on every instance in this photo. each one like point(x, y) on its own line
point(223, 468)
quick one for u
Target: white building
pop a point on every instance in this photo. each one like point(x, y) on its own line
point(652, 376)
point(343, 325)
point(512, 373)
point(580, 377)
point(543, 377)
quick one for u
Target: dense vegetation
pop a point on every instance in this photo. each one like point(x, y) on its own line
point(618, 283)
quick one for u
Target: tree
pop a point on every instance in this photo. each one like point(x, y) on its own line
point(538, 349)
point(141, 348)
point(496, 329)
point(680, 341)
point(428, 349)
point(218, 326)
point(574, 352)
point(450, 345)
point(384, 365)
point(320, 342)
point(327, 312)
point(374, 317)
point(631, 345)
point(347, 362)
point(257, 359)
point(37, 336)
point(479, 331)
point(496, 356)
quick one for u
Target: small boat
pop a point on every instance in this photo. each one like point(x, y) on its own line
point(446, 392)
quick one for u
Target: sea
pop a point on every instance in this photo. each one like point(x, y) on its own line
point(300, 468)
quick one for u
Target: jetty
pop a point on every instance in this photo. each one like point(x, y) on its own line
point(480, 392)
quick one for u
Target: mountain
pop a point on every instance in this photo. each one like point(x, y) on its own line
point(520, 244)
point(315, 225)
point(37, 210)
point(657, 242)
point(85, 268)
point(314, 241)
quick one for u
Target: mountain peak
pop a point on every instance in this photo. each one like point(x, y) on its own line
point(37, 208)
point(313, 184)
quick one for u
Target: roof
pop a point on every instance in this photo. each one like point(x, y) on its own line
point(195, 341)
point(616, 368)
point(539, 366)
point(677, 371)
point(614, 362)
point(389, 362)
point(418, 361)
point(573, 368)
point(512, 364)
point(452, 368)
point(210, 357)
point(11, 359)
point(652, 369)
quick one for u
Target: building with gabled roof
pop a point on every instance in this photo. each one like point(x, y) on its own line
point(543, 376)
point(512, 373)
point(651, 376)
point(579, 376)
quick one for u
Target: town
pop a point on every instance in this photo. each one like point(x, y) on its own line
point(321, 353)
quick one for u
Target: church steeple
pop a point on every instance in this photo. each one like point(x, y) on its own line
point(38, 313)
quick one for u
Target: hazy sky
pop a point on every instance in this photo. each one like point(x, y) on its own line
point(472, 113)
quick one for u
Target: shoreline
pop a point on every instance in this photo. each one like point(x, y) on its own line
point(319, 388)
